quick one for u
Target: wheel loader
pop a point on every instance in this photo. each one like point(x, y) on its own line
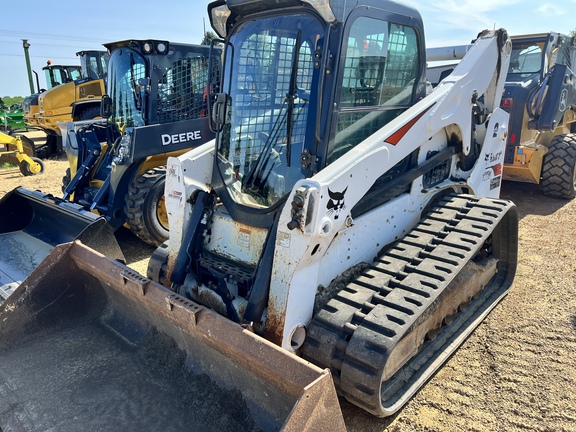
point(341, 235)
point(72, 99)
point(540, 96)
point(55, 75)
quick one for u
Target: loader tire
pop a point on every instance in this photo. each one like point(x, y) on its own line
point(559, 168)
point(145, 210)
point(89, 114)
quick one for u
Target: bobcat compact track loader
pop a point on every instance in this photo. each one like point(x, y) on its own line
point(341, 215)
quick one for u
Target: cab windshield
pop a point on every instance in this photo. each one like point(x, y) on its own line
point(94, 65)
point(526, 59)
point(126, 87)
point(61, 74)
point(269, 75)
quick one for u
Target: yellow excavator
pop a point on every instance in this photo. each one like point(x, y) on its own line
point(342, 235)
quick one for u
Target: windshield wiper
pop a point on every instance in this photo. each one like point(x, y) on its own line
point(135, 92)
point(290, 98)
point(288, 117)
point(249, 180)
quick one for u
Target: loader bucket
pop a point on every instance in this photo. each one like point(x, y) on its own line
point(88, 344)
point(32, 223)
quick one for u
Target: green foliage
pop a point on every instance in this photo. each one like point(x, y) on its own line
point(11, 100)
point(7, 165)
point(208, 36)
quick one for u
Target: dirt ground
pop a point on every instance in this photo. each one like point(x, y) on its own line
point(517, 372)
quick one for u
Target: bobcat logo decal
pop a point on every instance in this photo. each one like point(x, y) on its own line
point(336, 203)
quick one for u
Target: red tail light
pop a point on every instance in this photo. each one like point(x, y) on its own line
point(506, 104)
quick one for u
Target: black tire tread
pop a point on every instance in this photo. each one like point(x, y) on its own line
point(136, 206)
point(559, 167)
point(89, 114)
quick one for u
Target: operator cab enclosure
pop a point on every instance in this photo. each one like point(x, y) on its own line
point(290, 104)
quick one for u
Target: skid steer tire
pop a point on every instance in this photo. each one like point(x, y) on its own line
point(559, 169)
point(158, 264)
point(145, 210)
point(89, 114)
point(25, 167)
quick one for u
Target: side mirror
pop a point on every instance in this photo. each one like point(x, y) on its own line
point(106, 106)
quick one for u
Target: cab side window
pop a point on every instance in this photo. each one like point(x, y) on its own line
point(380, 72)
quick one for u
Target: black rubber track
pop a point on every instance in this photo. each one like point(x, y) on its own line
point(357, 330)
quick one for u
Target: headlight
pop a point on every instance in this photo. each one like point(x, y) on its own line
point(123, 150)
point(155, 47)
point(161, 48)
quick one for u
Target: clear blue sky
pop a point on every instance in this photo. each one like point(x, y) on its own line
point(57, 30)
